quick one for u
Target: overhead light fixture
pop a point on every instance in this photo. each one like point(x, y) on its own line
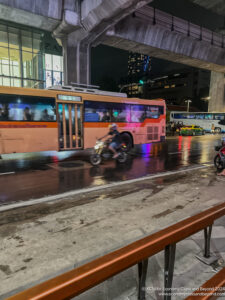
point(206, 98)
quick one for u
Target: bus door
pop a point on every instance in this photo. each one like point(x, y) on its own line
point(70, 125)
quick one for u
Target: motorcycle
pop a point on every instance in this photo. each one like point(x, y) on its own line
point(102, 151)
point(219, 160)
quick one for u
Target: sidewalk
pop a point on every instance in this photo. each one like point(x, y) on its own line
point(44, 240)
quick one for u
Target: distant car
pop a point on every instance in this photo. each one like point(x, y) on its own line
point(192, 130)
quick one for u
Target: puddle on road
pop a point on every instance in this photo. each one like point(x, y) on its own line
point(162, 214)
point(5, 269)
point(167, 212)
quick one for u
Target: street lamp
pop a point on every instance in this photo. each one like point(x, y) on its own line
point(188, 104)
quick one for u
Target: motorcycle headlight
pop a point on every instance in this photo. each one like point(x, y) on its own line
point(98, 145)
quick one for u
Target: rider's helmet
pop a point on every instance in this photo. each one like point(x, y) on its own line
point(113, 126)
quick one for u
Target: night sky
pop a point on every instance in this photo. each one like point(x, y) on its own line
point(110, 64)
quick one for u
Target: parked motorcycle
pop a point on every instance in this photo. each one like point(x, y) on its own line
point(219, 160)
point(102, 151)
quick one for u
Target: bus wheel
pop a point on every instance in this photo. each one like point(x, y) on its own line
point(127, 140)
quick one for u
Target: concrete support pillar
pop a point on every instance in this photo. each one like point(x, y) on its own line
point(216, 93)
point(76, 59)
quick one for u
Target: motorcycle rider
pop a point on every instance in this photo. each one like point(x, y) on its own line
point(115, 139)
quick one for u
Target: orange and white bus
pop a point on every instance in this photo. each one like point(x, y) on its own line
point(69, 118)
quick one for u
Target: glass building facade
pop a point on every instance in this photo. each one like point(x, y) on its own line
point(138, 64)
point(26, 61)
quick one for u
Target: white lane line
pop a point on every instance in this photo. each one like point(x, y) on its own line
point(7, 173)
point(96, 188)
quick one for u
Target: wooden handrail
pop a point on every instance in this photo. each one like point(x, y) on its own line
point(215, 285)
point(76, 281)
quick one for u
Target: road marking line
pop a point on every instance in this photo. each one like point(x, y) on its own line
point(96, 188)
point(7, 173)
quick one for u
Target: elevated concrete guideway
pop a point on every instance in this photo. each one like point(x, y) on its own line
point(74, 23)
point(164, 36)
point(95, 18)
point(42, 14)
point(84, 14)
point(167, 37)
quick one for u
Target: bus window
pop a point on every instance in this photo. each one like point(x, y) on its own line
point(221, 122)
point(209, 116)
point(120, 112)
point(153, 112)
point(161, 110)
point(96, 112)
point(190, 116)
point(138, 113)
point(199, 116)
point(27, 108)
point(219, 116)
point(180, 116)
point(4, 112)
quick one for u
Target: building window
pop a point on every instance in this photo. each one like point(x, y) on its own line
point(23, 62)
point(20, 58)
point(53, 70)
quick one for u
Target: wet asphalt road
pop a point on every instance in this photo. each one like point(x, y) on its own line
point(41, 177)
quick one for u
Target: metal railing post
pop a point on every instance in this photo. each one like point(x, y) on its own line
point(154, 17)
point(142, 273)
point(207, 235)
point(172, 25)
point(188, 28)
point(200, 38)
point(170, 252)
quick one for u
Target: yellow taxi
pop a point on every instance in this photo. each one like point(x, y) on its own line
point(191, 130)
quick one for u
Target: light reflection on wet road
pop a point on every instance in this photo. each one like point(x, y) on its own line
point(37, 178)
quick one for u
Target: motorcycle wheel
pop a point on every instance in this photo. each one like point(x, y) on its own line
point(122, 157)
point(95, 159)
point(218, 163)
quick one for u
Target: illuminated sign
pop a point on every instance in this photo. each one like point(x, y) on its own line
point(69, 98)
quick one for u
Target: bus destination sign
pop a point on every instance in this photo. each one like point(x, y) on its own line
point(69, 98)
